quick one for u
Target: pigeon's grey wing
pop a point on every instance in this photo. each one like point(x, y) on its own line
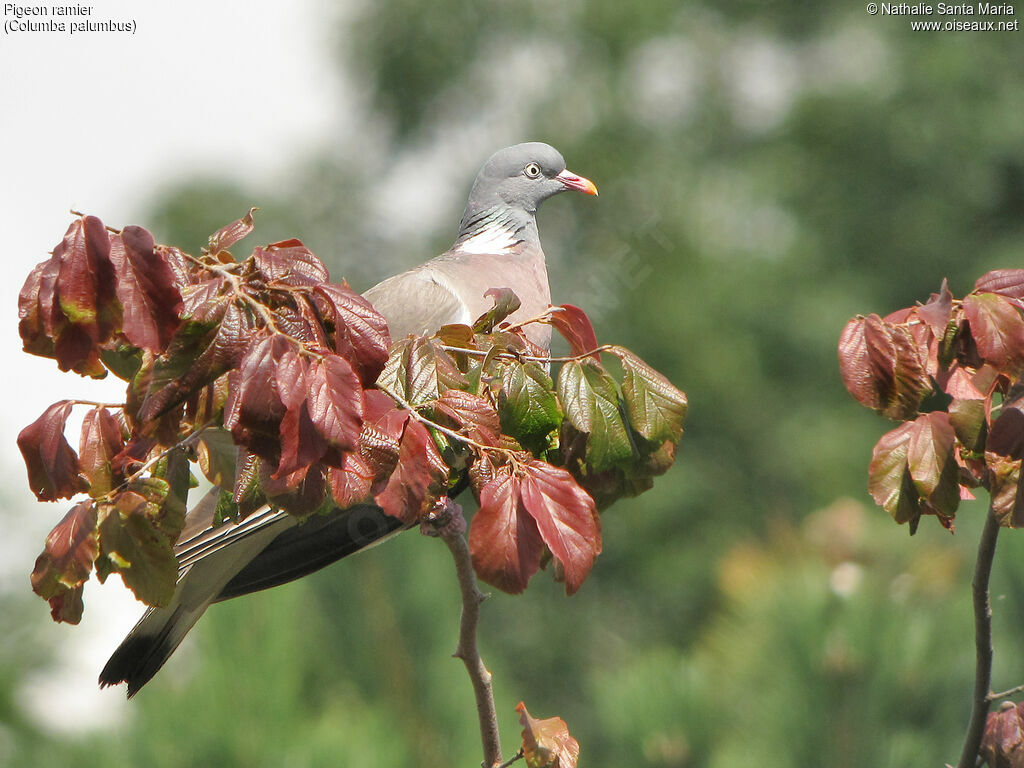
point(312, 545)
point(419, 301)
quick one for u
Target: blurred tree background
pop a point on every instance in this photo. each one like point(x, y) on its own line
point(766, 171)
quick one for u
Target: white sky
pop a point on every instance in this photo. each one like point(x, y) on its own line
point(93, 122)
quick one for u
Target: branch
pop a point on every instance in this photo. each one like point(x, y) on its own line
point(528, 358)
point(515, 758)
point(982, 642)
point(449, 525)
point(1006, 694)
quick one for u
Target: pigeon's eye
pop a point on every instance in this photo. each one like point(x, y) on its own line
point(532, 170)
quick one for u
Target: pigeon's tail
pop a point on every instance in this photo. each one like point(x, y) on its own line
point(146, 648)
point(161, 630)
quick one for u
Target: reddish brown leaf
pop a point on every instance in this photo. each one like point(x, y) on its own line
point(547, 743)
point(146, 289)
point(291, 322)
point(360, 331)
point(100, 442)
point(566, 518)
point(938, 310)
point(254, 410)
point(53, 469)
point(419, 478)
point(66, 562)
point(1007, 435)
point(39, 312)
point(86, 293)
point(574, 325)
point(997, 328)
point(855, 363)
point(1006, 282)
point(76, 350)
point(291, 263)
point(197, 356)
point(290, 376)
point(317, 335)
point(882, 366)
point(962, 383)
point(1005, 489)
point(474, 414)
point(180, 264)
point(335, 401)
point(301, 494)
point(504, 540)
point(1002, 745)
point(383, 424)
point(931, 461)
point(351, 484)
point(231, 233)
point(67, 605)
point(301, 442)
point(914, 470)
point(86, 282)
point(206, 300)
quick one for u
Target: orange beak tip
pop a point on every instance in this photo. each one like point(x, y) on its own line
point(580, 184)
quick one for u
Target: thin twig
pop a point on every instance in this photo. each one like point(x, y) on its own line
point(440, 428)
point(544, 317)
point(516, 757)
point(153, 460)
point(529, 358)
point(97, 404)
point(1005, 694)
point(81, 215)
point(452, 535)
point(982, 642)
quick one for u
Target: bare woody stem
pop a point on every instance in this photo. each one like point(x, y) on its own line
point(467, 648)
point(1006, 694)
point(982, 642)
point(515, 758)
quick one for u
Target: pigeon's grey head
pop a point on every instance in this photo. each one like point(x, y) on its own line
point(513, 183)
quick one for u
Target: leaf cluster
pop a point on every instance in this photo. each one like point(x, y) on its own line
point(285, 389)
point(951, 371)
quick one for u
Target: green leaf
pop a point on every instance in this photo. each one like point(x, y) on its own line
point(132, 545)
point(592, 405)
point(889, 480)
point(505, 303)
point(227, 509)
point(217, 454)
point(968, 420)
point(655, 407)
point(171, 496)
point(418, 371)
point(527, 405)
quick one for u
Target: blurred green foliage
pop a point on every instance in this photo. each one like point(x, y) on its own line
point(766, 171)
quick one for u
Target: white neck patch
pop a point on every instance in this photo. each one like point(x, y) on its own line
point(494, 238)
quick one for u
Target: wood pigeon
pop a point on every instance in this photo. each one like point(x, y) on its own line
point(498, 246)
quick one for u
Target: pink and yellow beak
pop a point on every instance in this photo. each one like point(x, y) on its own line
point(580, 184)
